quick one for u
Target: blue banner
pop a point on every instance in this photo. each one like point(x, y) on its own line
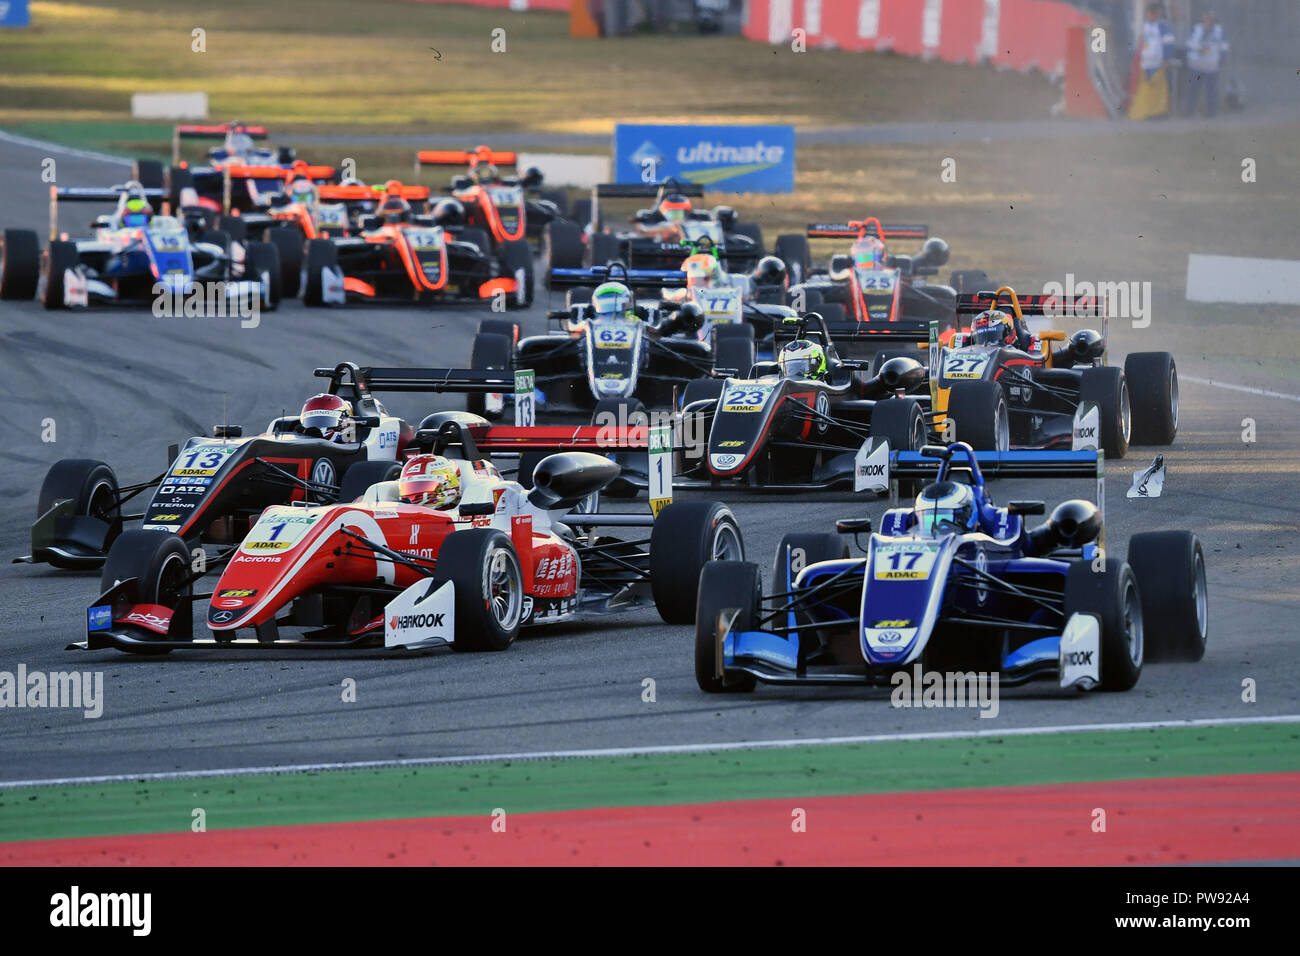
point(739, 159)
point(13, 13)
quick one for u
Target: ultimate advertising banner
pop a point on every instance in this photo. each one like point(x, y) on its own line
point(739, 159)
point(13, 13)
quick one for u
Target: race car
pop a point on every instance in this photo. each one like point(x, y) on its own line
point(216, 485)
point(413, 563)
point(658, 238)
point(506, 208)
point(955, 584)
point(239, 176)
point(873, 287)
point(407, 254)
point(137, 254)
point(1047, 390)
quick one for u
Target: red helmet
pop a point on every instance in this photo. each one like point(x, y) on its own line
point(430, 480)
point(675, 207)
point(326, 413)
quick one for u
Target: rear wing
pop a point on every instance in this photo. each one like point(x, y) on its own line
point(900, 332)
point(109, 194)
point(856, 229)
point(465, 157)
point(633, 278)
point(647, 190)
point(347, 377)
point(215, 131)
point(1050, 306)
point(1001, 464)
point(314, 173)
point(356, 192)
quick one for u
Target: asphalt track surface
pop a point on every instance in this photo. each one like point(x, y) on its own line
point(123, 385)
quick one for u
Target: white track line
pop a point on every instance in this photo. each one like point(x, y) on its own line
point(56, 148)
point(1241, 388)
point(647, 751)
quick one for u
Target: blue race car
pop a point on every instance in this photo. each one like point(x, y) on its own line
point(136, 255)
point(956, 584)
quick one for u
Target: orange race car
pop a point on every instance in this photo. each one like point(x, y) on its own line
point(407, 253)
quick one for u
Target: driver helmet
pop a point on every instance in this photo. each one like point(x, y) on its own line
point(395, 210)
point(238, 142)
point(869, 253)
point(136, 212)
point(802, 359)
point(993, 327)
point(485, 173)
point(326, 413)
point(430, 480)
point(703, 272)
point(302, 191)
point(612, 300)
point(675, 208)
point(945, 506)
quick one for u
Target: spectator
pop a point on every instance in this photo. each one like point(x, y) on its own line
point(1205, 50)
point(1156, 47)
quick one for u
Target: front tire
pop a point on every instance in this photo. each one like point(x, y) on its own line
point(20, 264)
point(1113, 596)
point(321, 255)
point(724, 585)
point(60, 256)
point(1152, 381)
point(980, 411)
point(482, 565)
point(685, 538)
point(1107, 386)
point(733, 347)
point(516, 259)
point(489, 351)
point(1170, 569)
point(901, 422)
point(288, 242)
point(262, 262)
point(160, 563)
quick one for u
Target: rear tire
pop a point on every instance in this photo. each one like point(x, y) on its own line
point(685, 538)
point(20, 264)
point(750, 230)
point(321, 255)
point(59, 257)
point(793, 251)
point(966, 281)
point(733, 347)
point(1107, 386)
point(980, 411)
point(482, 565)
point(478, 237)
point(489, 351)
point(833, 312)
point(1170, 569)
point(561, 247)
point(361, 475)
point(558, 198)
point(1113, 596)
point(148, 173)
point(604, 249)
point(517, 256)
point(217, 237)
point(262, 260)
point(178, 180)
point(1153, 393)
point(901, 422)
point(804, 549)
point(702, 389)
point(724, 584)
point(580, 213)
point(288, 243)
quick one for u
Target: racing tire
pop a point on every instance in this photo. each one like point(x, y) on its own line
point(478, 237)
point(685, 538)
point(793, 251)
point(500, 327)
point(1153, 393)
point(1170, 569)
point(833, 312)
point(724, 585)
point(557, 198)
point(361, 475)
point(160, 563)
point(901, 422)
point(92, 487)
point(604, 248)
point(750, 230)
point(1107, 386)
point(217, 237)
point(528, 462)
point(179, 179)
point(60, 256)
point(733, 347)
point(149, 173)
point(288, 243)
point(484, 569)
point(629, 411)
point(489, 351)
point(980, 411)
point(804, 549)
point(264, 258)
point(701, 390)
point(20, 264)
point(580, 213)
point(966, 281)
point(1111, 594)
point(516, 256)
point(321, 255)
point(560, 247)
point(578, 295)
